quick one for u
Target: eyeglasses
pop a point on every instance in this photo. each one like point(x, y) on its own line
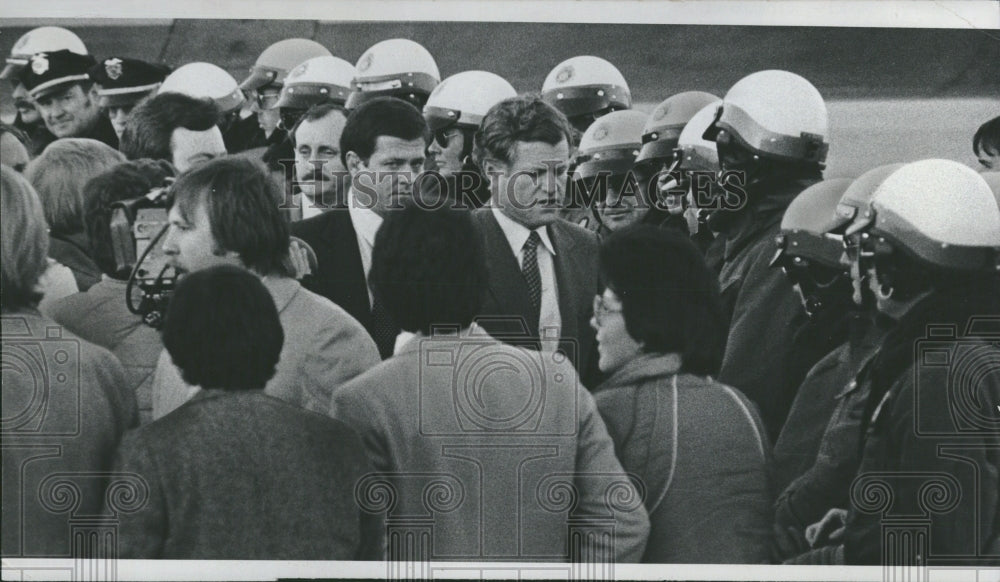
point(442, 137)
point(601, 309)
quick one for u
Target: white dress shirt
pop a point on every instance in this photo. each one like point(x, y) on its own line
point(366, 224)
point(549, 321)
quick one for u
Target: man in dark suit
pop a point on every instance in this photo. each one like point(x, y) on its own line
point(383, 147)
point(543, 270)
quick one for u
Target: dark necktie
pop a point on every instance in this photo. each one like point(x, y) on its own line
point(529, 267)
point(384, 330)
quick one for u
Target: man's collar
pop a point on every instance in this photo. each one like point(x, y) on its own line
point(517, 234)
point(366, 221)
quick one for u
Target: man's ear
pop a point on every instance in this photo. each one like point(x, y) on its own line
point(92, 93)
point(492, 167)
point(354, 162)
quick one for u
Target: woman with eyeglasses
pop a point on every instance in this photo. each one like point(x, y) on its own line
point(697, 446)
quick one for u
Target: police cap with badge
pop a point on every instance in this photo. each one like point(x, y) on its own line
point(126, 81)
point(52, 71)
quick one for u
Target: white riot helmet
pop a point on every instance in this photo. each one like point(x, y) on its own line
point(463, 99)
point(317, 80)
point(993, 179)
point(610, 145)
point(940, 212)
point(694, 152)
point(45, 39)
point(201, 80)
point(665, 123)
point(586, 85)
point(774, 114)
point(397, 67)
point(277, 60)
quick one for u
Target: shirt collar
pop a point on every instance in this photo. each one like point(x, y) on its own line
point(517, 234)
point(366, 222)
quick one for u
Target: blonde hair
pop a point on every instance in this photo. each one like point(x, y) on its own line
point(60, 173)
point(25, 241)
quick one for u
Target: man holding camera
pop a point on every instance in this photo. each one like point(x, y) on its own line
point(224, 212)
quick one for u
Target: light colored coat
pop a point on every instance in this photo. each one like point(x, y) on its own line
point(499, 451)
point(324, 347)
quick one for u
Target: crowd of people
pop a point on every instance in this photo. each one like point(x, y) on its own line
point(395, 317)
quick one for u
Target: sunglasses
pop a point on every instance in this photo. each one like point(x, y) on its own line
point(442, 137)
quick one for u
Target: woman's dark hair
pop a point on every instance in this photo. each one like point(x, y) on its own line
point(670, 298)
point(125, 181)
point(987, 137)
point(429, 268)
point(222, 330)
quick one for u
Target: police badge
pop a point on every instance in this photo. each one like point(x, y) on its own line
point(299, 70)
point(113, 67)
point(39, 64)
point(600, 132)
point(565, 74)
point(366, 62)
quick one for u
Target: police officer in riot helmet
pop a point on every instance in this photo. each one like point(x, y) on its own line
point(933, 256)
point(770, 134)
point(584, 88)
point(263, 88)
point(396, 67)
point(818, 451)
point(453, 112)
point(604, 183)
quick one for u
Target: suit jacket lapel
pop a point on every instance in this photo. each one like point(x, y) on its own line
point(345, 272)
point(568, 270)
point(508, 289)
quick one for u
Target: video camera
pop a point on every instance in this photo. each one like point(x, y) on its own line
point(137, 226)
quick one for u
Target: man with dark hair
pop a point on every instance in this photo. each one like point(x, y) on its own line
point(226, 212)
point(66, 97)
point(429, 270)
point(100, 314)
point(382, 146)
point(986, 144)
point(174, 127)
point(543, 270)
point(286, 493)
point(320, 173)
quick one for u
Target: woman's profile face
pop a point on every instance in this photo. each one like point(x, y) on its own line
point(615, 347)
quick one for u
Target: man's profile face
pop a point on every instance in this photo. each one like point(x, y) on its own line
point(389, 172)
point(189, 243)
point(69, 111)
point(25, 105)
point(118, 115)
point(530, 189)
point(317, 159)
point(189, 148)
